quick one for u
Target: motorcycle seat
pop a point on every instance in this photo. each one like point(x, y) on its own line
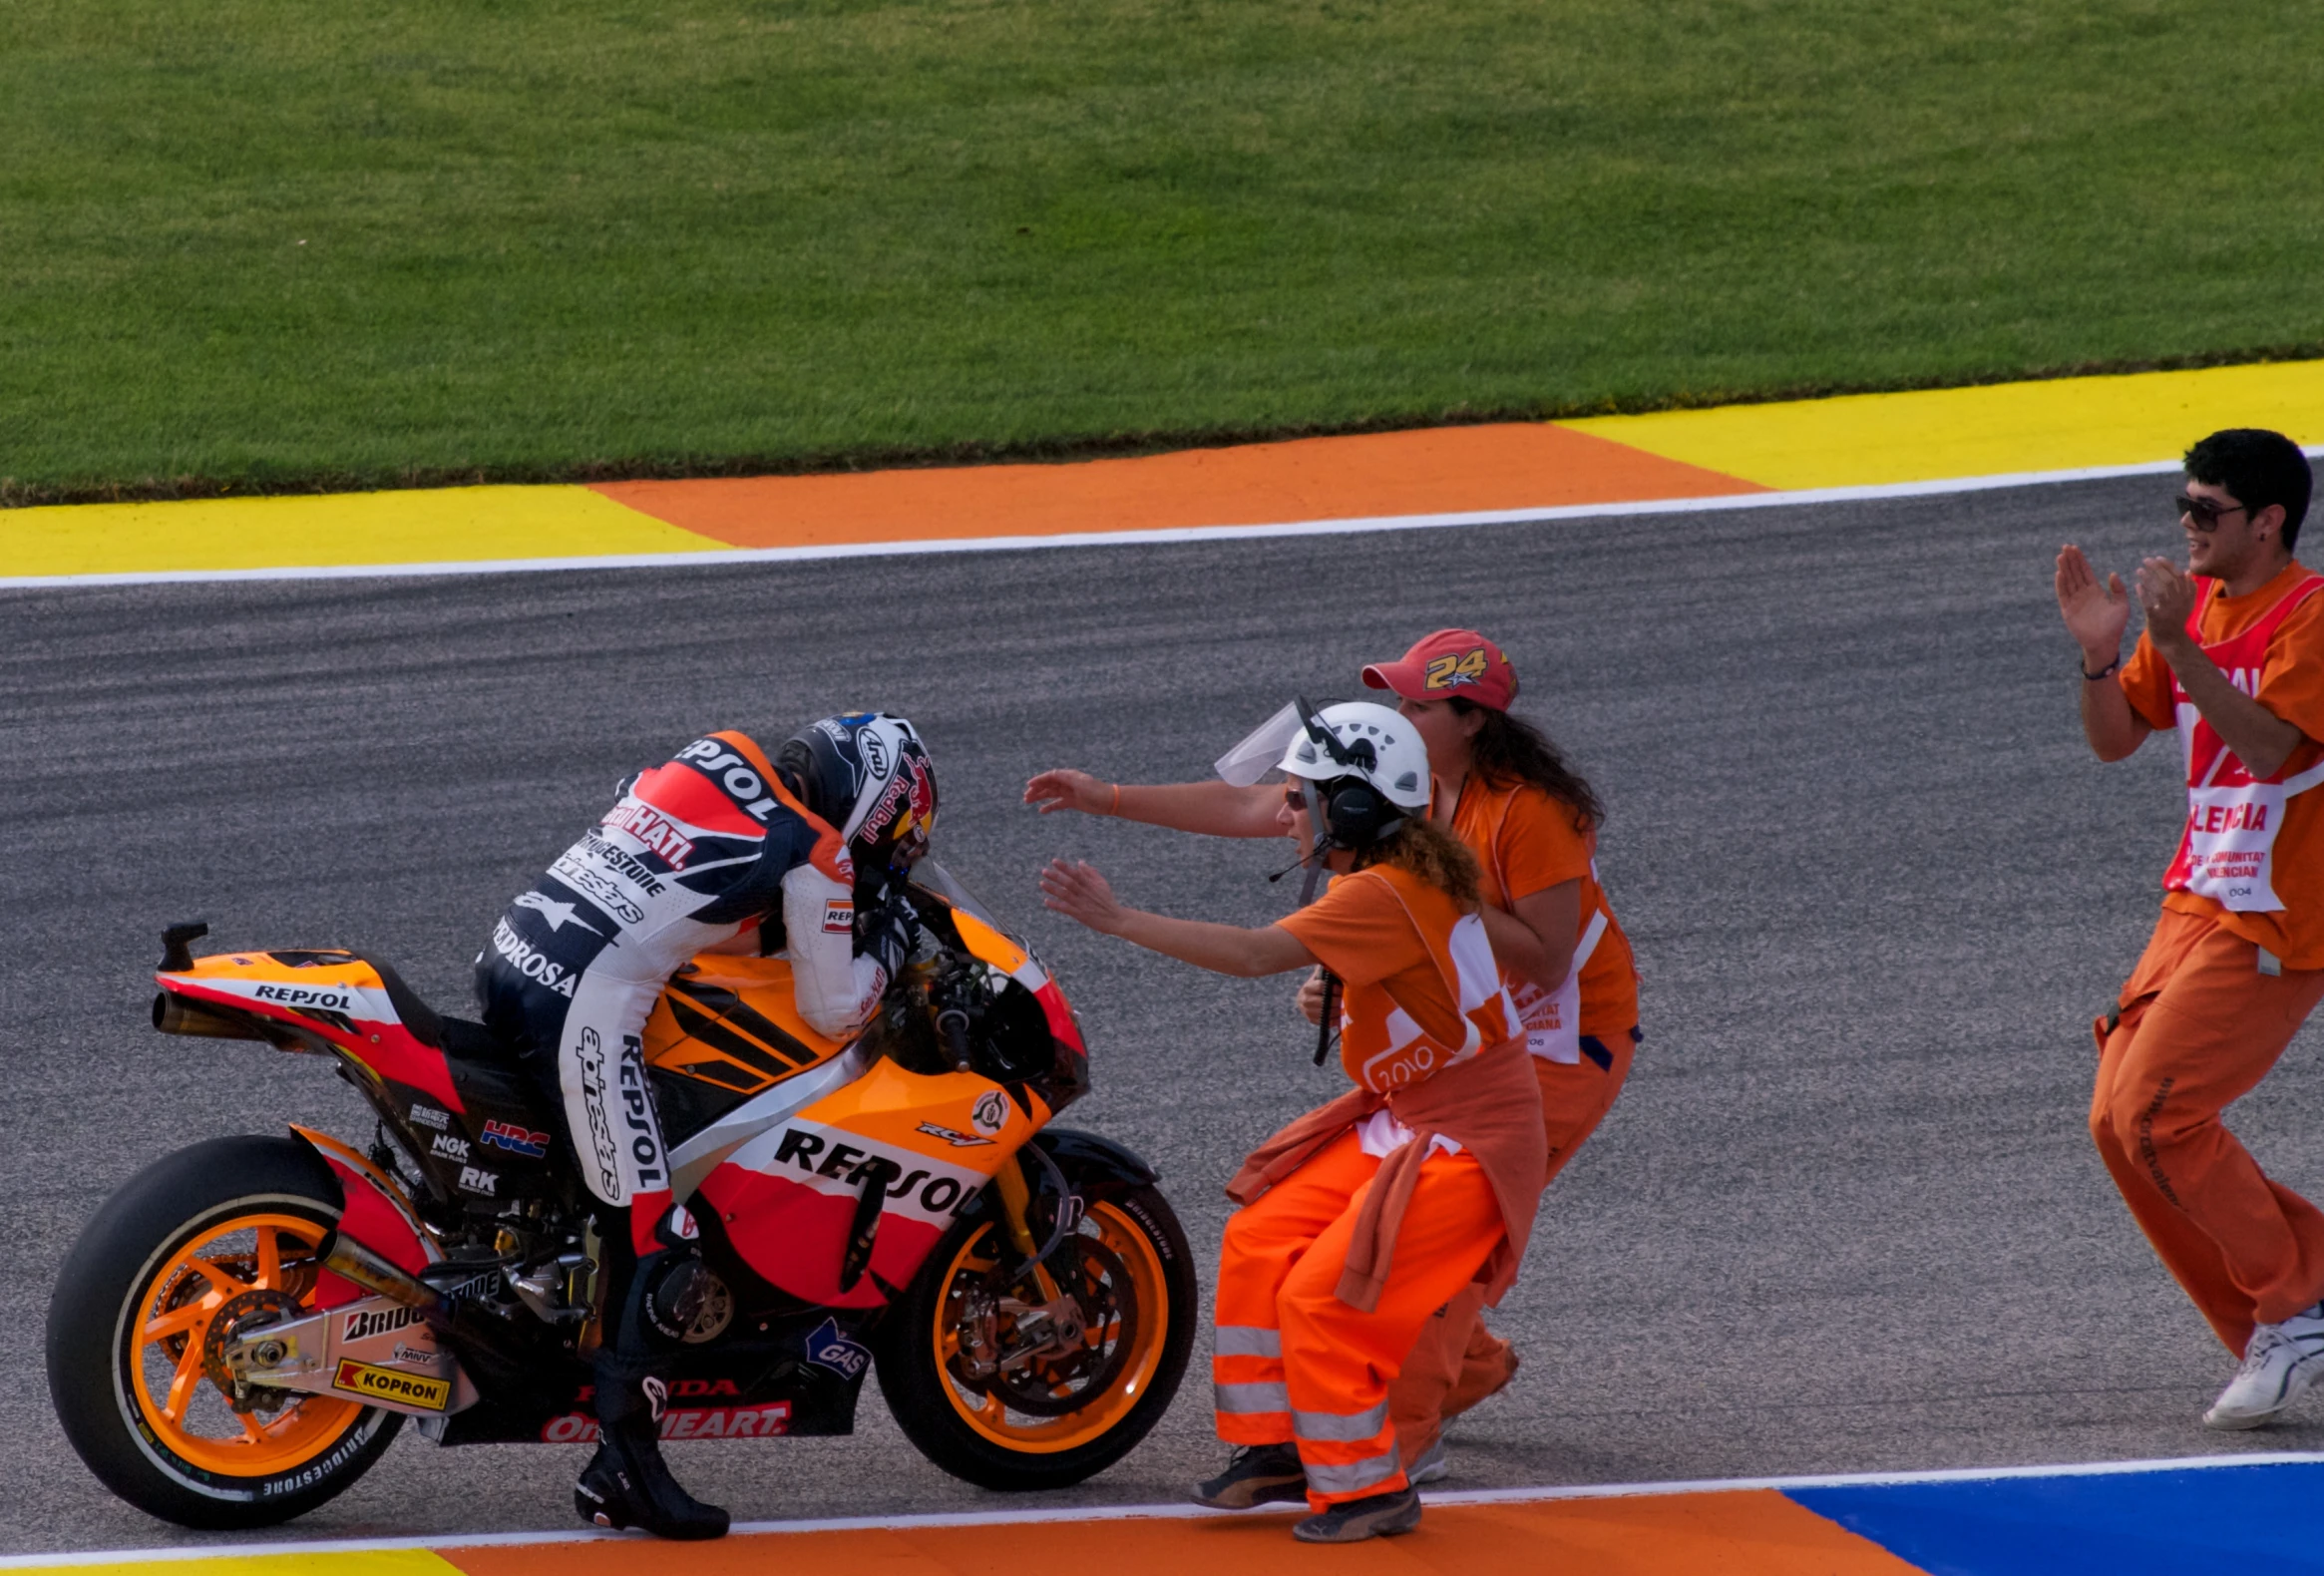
point(456, 1037)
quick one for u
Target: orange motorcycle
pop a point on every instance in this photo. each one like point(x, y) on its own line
point(241, 1329)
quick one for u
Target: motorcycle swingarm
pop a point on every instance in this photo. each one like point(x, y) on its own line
point(373, 1349)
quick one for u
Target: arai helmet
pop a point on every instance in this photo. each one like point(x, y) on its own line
point(869, 776)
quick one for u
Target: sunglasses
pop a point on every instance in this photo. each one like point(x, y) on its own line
point(2203, 513)
point(1295, 798)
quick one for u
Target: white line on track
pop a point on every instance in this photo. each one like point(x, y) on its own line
point(1179, 1513)
point(1106, 539)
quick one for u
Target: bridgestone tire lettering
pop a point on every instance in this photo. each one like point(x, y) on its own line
point(104, 1281)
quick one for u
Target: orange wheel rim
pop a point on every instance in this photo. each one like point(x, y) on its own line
point(990, 1414)
point(183, 1406)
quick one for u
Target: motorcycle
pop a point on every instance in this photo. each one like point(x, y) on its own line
point(241, 1329)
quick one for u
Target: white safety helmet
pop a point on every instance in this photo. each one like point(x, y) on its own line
point(1369, 766)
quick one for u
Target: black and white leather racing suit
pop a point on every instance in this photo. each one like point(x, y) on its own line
point(697, 851)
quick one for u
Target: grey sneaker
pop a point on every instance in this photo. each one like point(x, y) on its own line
point(2279, 1365)
point(1430, 1467)
point(1256, 1474)
point(1374, 1516)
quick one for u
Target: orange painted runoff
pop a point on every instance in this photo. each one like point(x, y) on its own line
point(1441, 470)
point(1753, 1532)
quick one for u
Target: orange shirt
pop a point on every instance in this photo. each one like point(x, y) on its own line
point(1365, 933)
point(1525, 840)
point(2291, 685)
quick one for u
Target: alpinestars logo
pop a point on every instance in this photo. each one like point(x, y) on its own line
point(601, 1145)
point(559, 915)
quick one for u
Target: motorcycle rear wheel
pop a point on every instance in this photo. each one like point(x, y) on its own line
point(1052, 1423)
point(221, 1235)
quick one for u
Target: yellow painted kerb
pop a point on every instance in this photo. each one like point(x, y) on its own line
point(433, 526)
point(2069, 424)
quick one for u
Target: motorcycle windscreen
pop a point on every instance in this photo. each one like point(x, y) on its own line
point(790, 1198)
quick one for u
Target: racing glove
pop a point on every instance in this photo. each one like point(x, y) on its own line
point(889, 934)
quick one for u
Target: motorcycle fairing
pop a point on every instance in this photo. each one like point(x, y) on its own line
point(471, 1120)
point(335, 995)
point(735, 1021)
point(789, 1198)
point(375, 1212)
point(801, 1378)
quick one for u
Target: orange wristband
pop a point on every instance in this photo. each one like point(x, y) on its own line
point(1116, 807)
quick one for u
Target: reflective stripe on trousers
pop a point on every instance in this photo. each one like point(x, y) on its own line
point(1292, 1364)
point(1246, 1340)
point(1355, 1478)
point(1342, 1428)
point(1261, 1397)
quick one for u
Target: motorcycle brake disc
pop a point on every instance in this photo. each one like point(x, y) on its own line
point(1090, 1278)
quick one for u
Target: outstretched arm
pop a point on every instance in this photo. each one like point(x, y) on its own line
point(1082, 894)
point(1216, 809)
point(2096, 615)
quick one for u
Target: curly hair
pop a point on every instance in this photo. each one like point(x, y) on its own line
point(1427, 850)
point(1509, 750)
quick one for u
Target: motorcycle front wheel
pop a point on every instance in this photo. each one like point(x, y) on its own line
point(211, 1242)
point(1038, 1379)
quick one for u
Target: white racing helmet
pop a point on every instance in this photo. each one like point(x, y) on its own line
point(868, 774)
point(1369, 766)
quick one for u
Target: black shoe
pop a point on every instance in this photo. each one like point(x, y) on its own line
point(1354, 1520)
point(628, 1484)
point(1256, 1474)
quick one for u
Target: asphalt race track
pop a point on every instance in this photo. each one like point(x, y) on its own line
point(1845, 1219)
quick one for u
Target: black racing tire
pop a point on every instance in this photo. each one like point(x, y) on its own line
point(132, 1253)
point(1140, 1236)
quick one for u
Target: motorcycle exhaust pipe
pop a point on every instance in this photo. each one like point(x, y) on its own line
point(351, 1261)
point(477, 1340)
point(174, 1014)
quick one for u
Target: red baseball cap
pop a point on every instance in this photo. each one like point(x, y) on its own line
point(1447, 663)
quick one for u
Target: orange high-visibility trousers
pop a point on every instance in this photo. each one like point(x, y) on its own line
point(1456, 1360)
point(2203, 1027)
point(1294, 1365)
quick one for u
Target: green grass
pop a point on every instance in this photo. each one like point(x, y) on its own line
point(257, 243)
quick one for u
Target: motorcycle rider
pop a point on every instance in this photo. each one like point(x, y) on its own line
point(717, 850)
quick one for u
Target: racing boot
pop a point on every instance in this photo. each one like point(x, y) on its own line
point(628, 1483)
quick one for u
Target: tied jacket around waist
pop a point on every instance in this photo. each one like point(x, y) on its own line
point(1478, 1089)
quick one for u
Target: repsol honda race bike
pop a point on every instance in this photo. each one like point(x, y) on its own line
point(241, 1329)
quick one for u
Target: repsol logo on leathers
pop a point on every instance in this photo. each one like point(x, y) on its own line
point(638, 1112)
